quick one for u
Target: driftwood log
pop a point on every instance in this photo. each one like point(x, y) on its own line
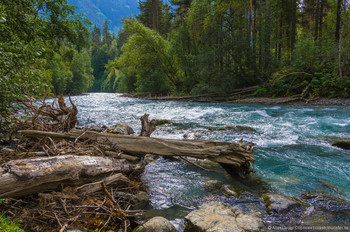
point(148, 127)
point(235, 158)
point(26, 176)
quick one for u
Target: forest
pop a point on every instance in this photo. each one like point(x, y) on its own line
point(180, 48)
point(283, 47)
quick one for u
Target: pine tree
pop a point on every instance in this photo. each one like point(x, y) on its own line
point(106, 35)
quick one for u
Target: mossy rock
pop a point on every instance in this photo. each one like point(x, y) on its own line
point(235, 128)
point(344, 144)
point(229, 190)
point(162, 122)
point(319, 197)
point(331, 188)
point(276, 203)
point(213, 185)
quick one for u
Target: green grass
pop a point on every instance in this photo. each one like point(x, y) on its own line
point(6, 225)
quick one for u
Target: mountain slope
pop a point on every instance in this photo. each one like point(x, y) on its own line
point(97, 11)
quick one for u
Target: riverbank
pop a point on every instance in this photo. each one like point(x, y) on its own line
point(293, 157)
point(291, 101)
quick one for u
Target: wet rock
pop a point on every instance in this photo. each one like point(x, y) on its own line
point(158, 224)
point(149, 158)
point(141, 200)
point(325, 201)
point(229, 190)
point(235, 128)
point(276, 203)
point(97, 128)
point(213, 185)
point(217, 216)
point(345, 144)
point(331, 188)
point(191, 136)
point(121, 129)
point(161, 122)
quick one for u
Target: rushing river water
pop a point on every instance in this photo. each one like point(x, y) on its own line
point(293, 147)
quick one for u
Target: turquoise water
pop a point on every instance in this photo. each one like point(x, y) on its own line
point(293, 146)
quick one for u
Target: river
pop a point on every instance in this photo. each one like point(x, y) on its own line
point(293, 148)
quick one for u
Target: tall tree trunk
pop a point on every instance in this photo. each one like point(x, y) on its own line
point(280, 32)
point(320, 20)
point(294, 26)
point(267, 36)
point(340, 45)
point(317, 19)
point(252, 34)
point(260, 35)
point(337, 24)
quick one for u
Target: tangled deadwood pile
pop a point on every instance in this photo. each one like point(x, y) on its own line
point(56, 184)
point(49, 117)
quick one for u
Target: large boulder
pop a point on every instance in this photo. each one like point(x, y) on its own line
point(218, 216)
point(276, 203)
point(157, 224)
point(120, 129)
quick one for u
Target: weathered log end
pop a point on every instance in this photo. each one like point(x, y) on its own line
point(237, 159)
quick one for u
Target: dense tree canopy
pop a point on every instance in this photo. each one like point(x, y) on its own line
point(30, 32)
point(284, 47)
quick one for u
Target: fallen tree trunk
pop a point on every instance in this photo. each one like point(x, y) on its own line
point(26, 176)
point(235, 158)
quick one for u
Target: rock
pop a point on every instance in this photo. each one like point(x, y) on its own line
point(213, 185)
point(97, 128)
point(325, 201)
point(149, 158)
point(191, 136)
point(121, 129)
point(235, 128)
point(217, 216)
point(142, 199)
point(345, 144)
point(331, 188)
point(139, 201)
point(161, 122)
point(276, 203)
point(156, 224)
point(228, 190)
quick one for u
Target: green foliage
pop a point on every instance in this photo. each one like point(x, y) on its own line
point(146, 56)
point(82, 73)
point(153, 83)
point(30, 32)
point(6, 225)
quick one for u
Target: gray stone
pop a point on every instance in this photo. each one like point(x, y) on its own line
point(149, 158)
point(142, 200)
point(221, 217)
point(157, 224)
point(229, 190)
point(278, 203)
point(121, 129)
point(97, 128)
point(213, 185)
